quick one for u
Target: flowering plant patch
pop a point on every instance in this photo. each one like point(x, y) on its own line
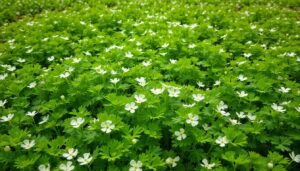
point(149, 85)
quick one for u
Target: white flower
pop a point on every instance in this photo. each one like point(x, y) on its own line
point(115, 80)
point(241, 114)
point(29, 50)
point(146, 63)
point(66, 167)
point(3, 76)
point(180, 134)
point(135, 166)
point(247, 55)
point(64, 75)
point(77, 122)
point(234, 122)
point(218, 82)
point(32, 85)
point(21, 60)
point(222, 141)
point(284, 90)
point(221, 109)
point(43, 167)
point(189, 105)
point(251, 117)
point(86, 159)
point(125, 69)
point(128, 55)
point(107, 126)
point(44, 119)
point(76, 60)
point(113, 72)
point(2, 103)
point(6, 118)
point(298, 109)
point(11, 68)
point(87, 53)
point(278, 108)
point(192, 119)
point(140, 98)
point(198, 97)
point(141, 81)
point(173, 61)
point(294, 157)
point(51, 58)
point(207, 165)
point(172, 161)
point(72, 153)
point(173, 92)
point(131, 107)
point(191, 46)
point(32, 114)
point(200, 84)
point(206, 127)
point(242, 94)
point(253, 27)
point(285, 103)
point(165, 45)
point(242, 78)
point(27, 144)
point(157, 91)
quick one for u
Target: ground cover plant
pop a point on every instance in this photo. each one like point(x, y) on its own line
point(149, 85)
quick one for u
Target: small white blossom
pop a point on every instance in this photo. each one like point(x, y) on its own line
point(241, 115)
point(146, 63)
point(128, 55)
point(32, 114)
point(86, 159)
point(135, 166)
point(76, 60)
point(192, 119)
point(251, 117)
point(125, 69)
point(51, 58)
point(21, 60)
point(242, 78)
point(140, 98)
point(75, 123)
point(32, 85)
point(131, 107)
point(207, 165)
point(107, 126)
point(72, 153)
point(114, 80)
point(28, 144)
point(172, 161)
point(66, 167)
point(173, 61)
point(157, 91)
point(173, 92)
point(64, 75)
point(165, 45)
point(11, 68)
point(180, 134)
point(191, 46)
point(298, 109)
point(44, 119)
point(234, 122)
point(99, 70)
point(247, 55)
point(217, 83)
point(43, 167)
point(3, 76)
point(2, 103)
point(189, 105)
point(222, 141)
point(6, 118)
point(294, 157)
point(87, 53)
point(200, 84)
point(113, 72)
point(278, 108)
point(284, 90)
point(242, 94)
point(141, 81)
point(198, 97)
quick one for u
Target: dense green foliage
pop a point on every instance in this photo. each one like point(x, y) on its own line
point(152, 85)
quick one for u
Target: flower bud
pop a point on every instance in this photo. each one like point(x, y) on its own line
point(270, 165)
point(134, 141)
point(7, 148)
